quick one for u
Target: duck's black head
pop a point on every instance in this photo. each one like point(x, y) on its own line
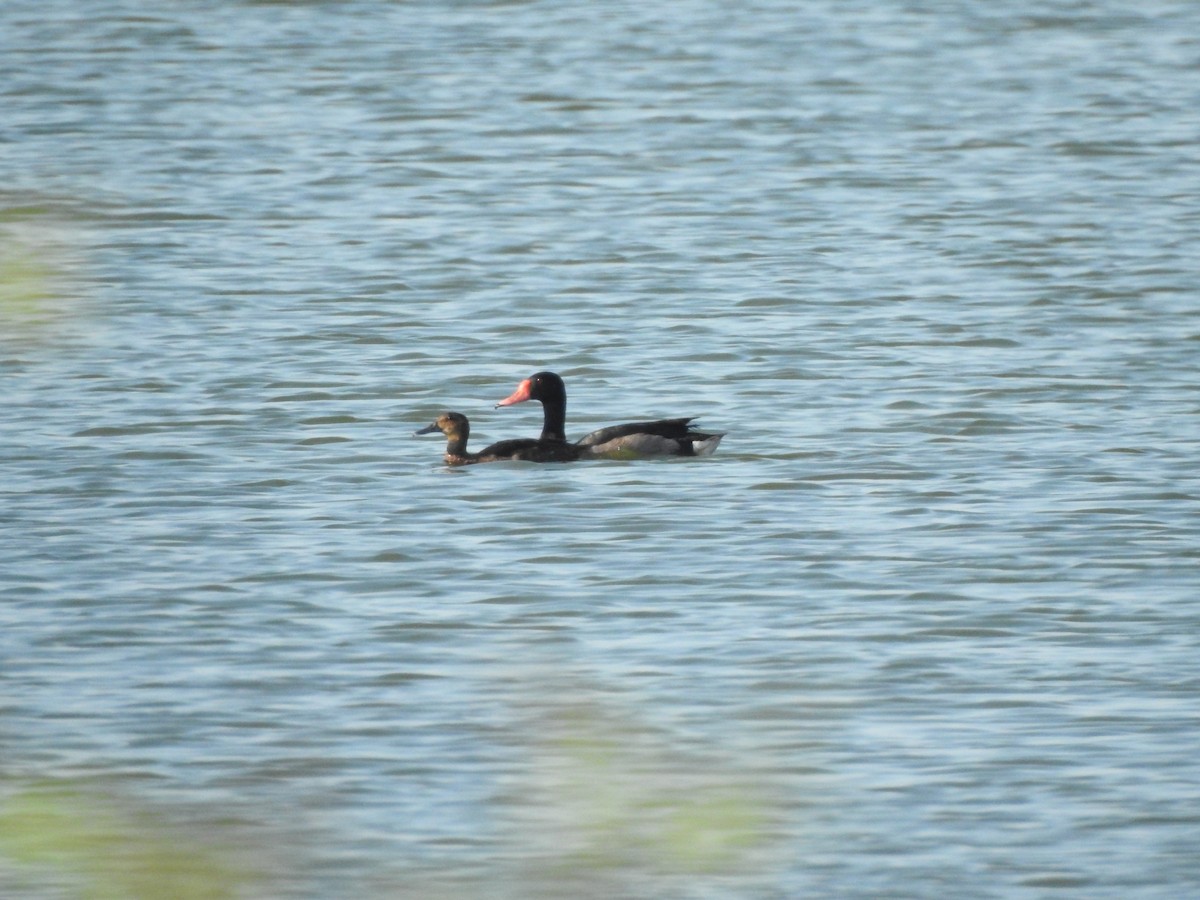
point(545, 387)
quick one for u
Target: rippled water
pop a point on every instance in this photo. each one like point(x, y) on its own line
point(925, 626)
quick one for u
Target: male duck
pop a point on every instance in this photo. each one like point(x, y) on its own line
point(663, 437)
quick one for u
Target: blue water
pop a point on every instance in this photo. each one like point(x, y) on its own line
point(925, 626)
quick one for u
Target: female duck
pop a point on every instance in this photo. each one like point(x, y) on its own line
point(457, 429)
point(663, 437)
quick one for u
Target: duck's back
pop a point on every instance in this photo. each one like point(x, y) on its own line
point(662, 437)
point(663, 428)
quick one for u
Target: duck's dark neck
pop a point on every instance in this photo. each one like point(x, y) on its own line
point(554, 420)
point(456, 446)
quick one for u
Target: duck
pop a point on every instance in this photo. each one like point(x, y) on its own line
point(456, 427)
point(662, 437)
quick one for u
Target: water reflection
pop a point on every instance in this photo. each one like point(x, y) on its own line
point(40, 272)
point(598, 802)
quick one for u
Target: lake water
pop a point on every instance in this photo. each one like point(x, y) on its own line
point(928, 623)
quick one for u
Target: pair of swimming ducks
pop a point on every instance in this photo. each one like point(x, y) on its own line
point(664, 437)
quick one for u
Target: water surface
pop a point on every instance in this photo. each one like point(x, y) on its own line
point(925, 625)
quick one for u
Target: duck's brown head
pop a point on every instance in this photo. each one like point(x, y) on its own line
point(453, 425)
